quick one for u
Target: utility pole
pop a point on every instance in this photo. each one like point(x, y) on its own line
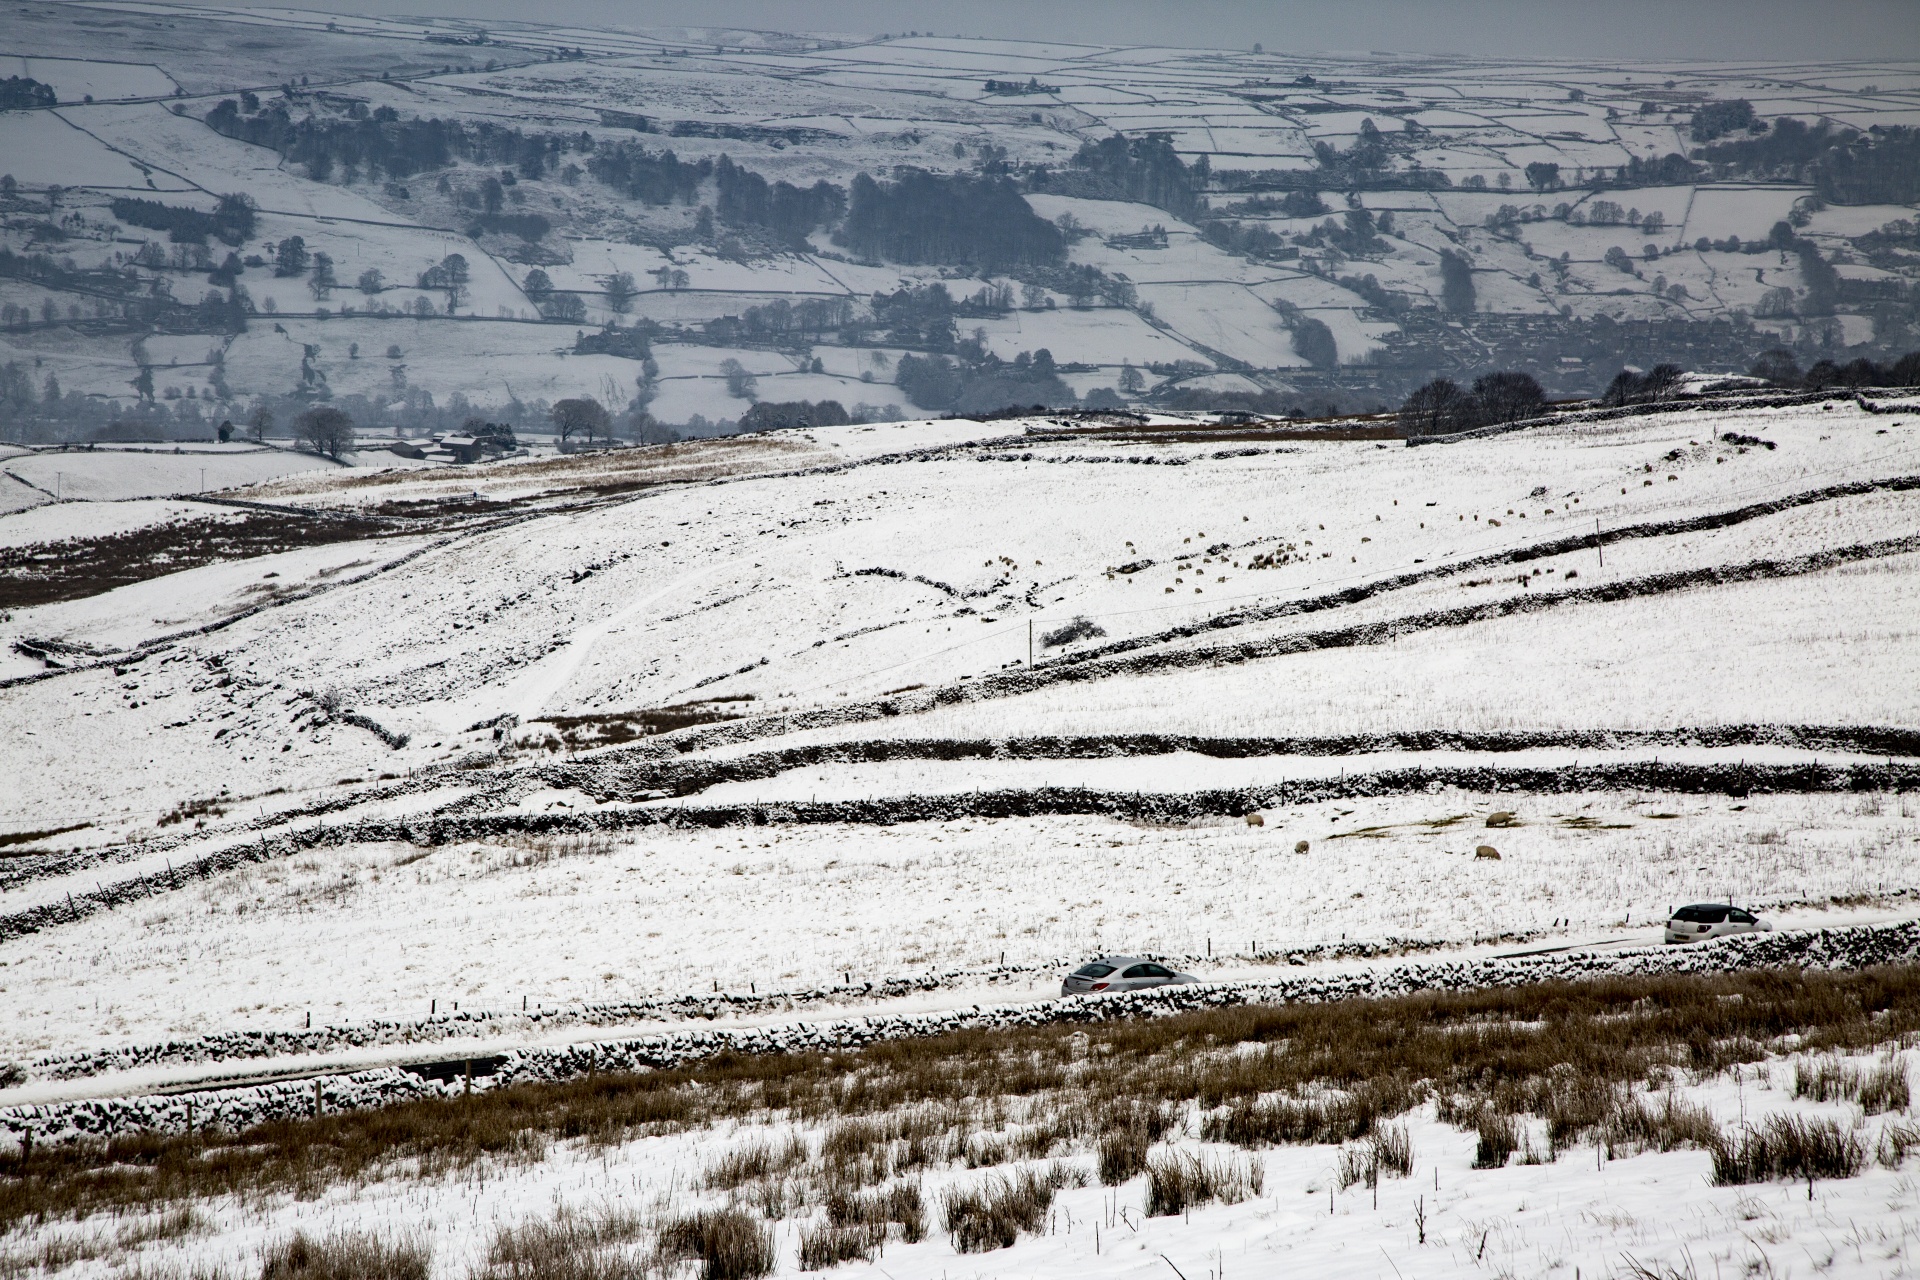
point(1599, 546)
point(1029, 643)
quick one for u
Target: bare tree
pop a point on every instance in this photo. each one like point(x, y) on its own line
point(620, 291)
point(325, 430)
point(583, 416)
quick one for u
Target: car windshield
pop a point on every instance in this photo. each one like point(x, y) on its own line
point(1095, 970)
point(1703, 913)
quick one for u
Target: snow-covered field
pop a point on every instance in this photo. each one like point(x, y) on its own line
point(943, 707)
point(638, 917)
point(866, 571)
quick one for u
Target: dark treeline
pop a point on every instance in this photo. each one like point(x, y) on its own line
point(528, 226)
point(981, 382)
point(789, 213)
point(1145, 169)
point(1845, 166)
point(1305, 203)
point(1631, 386)
point(122, 298)
point(232, 220)
point(1356, 234)
point(20, 93)
point(1249, 240)
point(808, 319)
point(382, 143)
point(1717, 119)
point(1881, 166)
point(651, 177)
point(785, 415)
point(976, 221)
point(1782, 368)
point(1442, 406)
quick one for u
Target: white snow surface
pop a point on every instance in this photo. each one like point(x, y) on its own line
point(679, 593)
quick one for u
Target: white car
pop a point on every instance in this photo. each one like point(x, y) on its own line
point(1121, 973)
point(1713, 920)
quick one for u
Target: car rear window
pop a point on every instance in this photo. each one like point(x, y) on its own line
point(1093, 971)
point(1706, 913)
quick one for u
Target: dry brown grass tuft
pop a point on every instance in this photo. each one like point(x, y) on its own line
point(993, 1213)
point(824, 1245)
point(1177, 1182)
point(1877, 1087)
point(755, 1162)
point(899, 1203)
point(1389, 1152)
point(727, 1243)
point(1497, 1137)
point(568, 1246)
point(1121, 1152)
point(345, 1256)
point(1631, 1125)
point(1788, 1147)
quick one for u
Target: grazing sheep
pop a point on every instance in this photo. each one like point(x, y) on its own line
point(1255, 820)
point(1300, 846)
point(1488, 852)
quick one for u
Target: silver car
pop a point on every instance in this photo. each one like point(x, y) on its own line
point(1713, 920)
point(1121, 973)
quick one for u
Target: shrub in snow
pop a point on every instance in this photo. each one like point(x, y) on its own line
point(993, 1213)
point(1078, 629)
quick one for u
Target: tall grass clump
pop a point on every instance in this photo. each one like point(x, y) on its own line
point(1788, 1147)
point(899, 1203)
point(1497, 1137)
point(1120, 1153)
point(568, 1246)
point(1878, 1087)
point(729, 1244)
point(1632, 1125)
point(755, 1162)
point(1177, 1182)
point(1895, 1141)
point(992, 1214)
point(824, 1245)
point(1345, 1117)
point(345, 1255)
point(1389, 1152)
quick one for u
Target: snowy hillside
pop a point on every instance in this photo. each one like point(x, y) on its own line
point(655, 848)
point(1362, 645)
point(335, 769)
point(1219, 223)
